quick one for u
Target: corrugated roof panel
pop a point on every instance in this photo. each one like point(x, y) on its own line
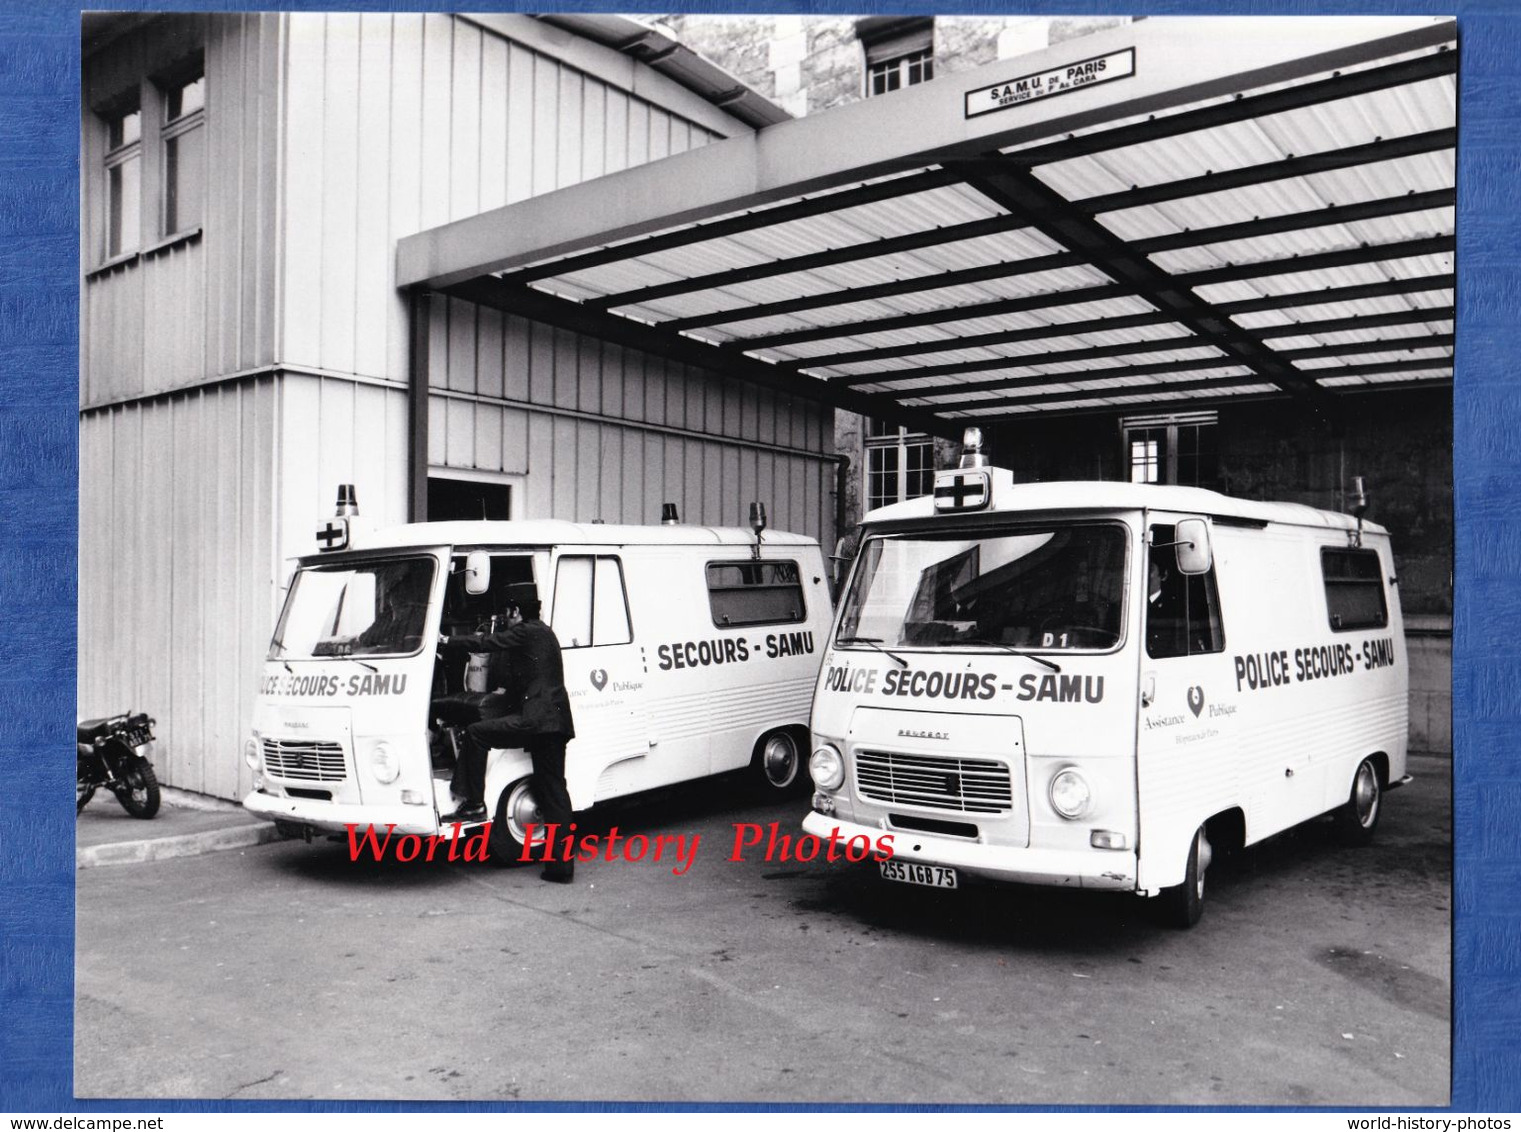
point(1054, 318)
point(1257, 141)
point(1309, 241)
point(1383, 304)
point(1042, 348)
point(1037, 346)
point(1389, 378)
point(1143, 397)
point(1425, 172)
point(565, 289)
point(936, 390)
point(1353, 275)
point(828, 281)
point(863, 223)
point(1435, 353)
point(1358, 337)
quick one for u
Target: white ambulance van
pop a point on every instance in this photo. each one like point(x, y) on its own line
point(1093, 684)
point(688, 651)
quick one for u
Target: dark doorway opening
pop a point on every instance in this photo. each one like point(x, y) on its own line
point(467, 499)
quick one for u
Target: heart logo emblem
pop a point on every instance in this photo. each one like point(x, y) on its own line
point(1196, 700)
point(599, 679)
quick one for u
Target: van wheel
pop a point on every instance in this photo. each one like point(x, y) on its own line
point(1183, 904)
point(778, 763)
point(1358, 817)
point(516, 809)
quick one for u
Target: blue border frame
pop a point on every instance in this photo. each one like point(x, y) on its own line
point(39, 84)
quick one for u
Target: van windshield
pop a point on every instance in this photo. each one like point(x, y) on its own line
point(1038, 587)
point(375, 608)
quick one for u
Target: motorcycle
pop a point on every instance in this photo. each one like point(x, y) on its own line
point(113, 753)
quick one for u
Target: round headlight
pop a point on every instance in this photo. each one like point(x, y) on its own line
point(251, 752)
point(383, 762)
point(827, 767)
point(1071, 795)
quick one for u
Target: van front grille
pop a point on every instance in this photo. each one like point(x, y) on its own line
point(304, 760)
point(973, 786)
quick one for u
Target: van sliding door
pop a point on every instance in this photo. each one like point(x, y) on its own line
point(604, 676)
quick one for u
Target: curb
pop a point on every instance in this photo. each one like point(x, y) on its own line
point(184, 845)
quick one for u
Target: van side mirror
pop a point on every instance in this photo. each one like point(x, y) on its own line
point(1195, 555)
point(477, 572)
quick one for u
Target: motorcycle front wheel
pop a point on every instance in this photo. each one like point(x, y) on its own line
point(138, 793)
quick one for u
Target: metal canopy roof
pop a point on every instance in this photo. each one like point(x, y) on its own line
point(1261, 208)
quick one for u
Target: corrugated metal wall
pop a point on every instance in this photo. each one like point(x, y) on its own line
point(170, 318)
point(603, 432)
point(176, 563)
point(401, 122)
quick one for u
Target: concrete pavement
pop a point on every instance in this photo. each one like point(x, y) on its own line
point(186, 825)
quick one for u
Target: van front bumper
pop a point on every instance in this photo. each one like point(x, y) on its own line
point(333, 817)
point(1114, 870)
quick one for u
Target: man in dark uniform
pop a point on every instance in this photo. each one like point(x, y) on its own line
point(1166, 613)
point(541, 725)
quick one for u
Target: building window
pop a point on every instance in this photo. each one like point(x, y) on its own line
point(184, 141)
point(899, 52)
point(899, 465)
point(905, 70)
point(124, 180)
point(1179, 449)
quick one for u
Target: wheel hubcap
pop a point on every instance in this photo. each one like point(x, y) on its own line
point(522, 811)
point(780, 760)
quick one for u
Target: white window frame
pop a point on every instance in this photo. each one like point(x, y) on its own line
point(906, 58)
point(1165, 463)
point(898, 441)
point(171, 130)
point(118, 157)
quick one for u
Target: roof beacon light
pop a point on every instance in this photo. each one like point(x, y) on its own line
point(668, 516)
point(971, 449)
point(1356, 506)
point(757, 524)
point(335, 533)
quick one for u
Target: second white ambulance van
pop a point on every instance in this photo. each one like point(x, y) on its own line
point(1093, 684)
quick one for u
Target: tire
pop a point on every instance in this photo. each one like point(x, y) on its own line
point(777, 768)
point(514, 808)
point(1183, 904)
point(138, 792)
point(1357, 819)
point(82, 796)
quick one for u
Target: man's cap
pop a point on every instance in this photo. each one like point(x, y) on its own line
point(519, 592)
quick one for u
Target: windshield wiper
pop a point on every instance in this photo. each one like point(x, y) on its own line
point(874, 642)
point(1035, 656)
point(278, 646)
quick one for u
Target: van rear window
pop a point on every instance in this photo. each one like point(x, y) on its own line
point(755, 593)
point(1354, 588)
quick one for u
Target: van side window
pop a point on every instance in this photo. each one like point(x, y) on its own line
point(1354, 588)
point(755, 593)
point(1182, 611)
point(591, 607)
